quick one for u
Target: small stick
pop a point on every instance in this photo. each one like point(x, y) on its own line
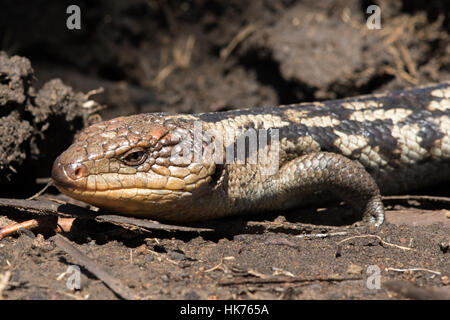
point(225, 52)
point(42, 190)
point(15, 227)
point(370, 236)
point(93, 92)
point(413, 269)
point(321, 235)
point(60, 224)
point(96, 269)
point(283, 280)
point(417, 197)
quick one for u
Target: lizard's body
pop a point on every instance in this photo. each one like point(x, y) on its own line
point(401, 139)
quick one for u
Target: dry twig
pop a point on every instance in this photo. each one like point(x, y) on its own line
point(96, 269)
point(417, 197)
point(270, 280)
point(244, 33)
point(413, 269)
point(377, 237)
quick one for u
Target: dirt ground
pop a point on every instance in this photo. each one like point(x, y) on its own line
point(211, 55)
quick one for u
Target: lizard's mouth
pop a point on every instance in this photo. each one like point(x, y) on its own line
point(72, 180)
point(161, 205)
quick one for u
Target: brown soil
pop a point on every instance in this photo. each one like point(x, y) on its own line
point(211, 55)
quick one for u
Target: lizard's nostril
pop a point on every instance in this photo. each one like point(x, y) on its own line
point(76, 170)
point(65, 175)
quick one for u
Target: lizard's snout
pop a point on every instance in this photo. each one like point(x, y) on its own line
point(66, 176)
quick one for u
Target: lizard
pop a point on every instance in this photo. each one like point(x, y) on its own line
point(191, 167)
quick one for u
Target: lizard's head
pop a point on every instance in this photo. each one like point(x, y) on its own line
point(136, 165)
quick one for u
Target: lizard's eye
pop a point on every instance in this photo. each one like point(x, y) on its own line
point(134, 157)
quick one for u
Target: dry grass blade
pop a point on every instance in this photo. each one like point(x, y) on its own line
point(181, 60)
point(244, 33)
point(377, 237)
point(49, 183)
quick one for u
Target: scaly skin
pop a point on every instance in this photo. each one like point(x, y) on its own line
point(353, 148)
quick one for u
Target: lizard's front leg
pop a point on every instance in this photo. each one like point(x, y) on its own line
point(334, 172)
